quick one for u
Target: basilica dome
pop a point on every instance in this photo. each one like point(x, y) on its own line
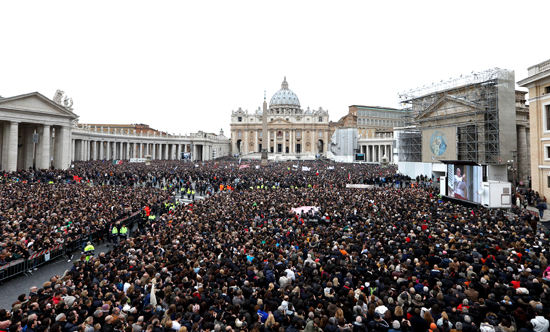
point(284, 96)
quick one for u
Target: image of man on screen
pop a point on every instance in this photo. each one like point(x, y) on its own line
point(459, 185)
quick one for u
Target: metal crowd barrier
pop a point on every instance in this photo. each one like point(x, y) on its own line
point(21, 265)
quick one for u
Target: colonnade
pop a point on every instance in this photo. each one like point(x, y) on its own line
point(375, 152)
point(104, 149)
point(26, 145)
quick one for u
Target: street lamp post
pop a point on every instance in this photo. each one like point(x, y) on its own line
point(514, 154)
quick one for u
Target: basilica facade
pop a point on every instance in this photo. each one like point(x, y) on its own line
point(290, 129)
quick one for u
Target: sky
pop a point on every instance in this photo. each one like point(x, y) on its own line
point(184, 66)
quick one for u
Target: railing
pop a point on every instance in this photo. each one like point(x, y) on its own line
point(22, 265)
point(133, 133)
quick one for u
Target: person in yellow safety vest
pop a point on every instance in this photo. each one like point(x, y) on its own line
point(182, 191)
point(189, 193)
point(124, 231)
point(193, 194)
point(309, 185)
point(257, 187)
point(274, 187)
point(89, 251)
point(251, 188)
point(114, 234)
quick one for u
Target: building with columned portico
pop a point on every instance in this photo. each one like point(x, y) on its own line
point(39, 132)
point(292, 131)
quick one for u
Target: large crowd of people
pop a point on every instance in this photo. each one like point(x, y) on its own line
point(391, 258)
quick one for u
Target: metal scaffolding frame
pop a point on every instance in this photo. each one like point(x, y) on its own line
point(478, 132)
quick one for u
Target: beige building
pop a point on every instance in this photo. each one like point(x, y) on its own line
point(291, 130)
point(538, 83)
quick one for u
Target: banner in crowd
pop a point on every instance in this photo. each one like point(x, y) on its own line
point(359, 186)
point(330, 167)
point(243, 166)
point(304, 209)
point(138, 160)
point(117, 162)
point(306, 169)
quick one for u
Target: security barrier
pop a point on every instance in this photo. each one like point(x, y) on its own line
point(21, 265)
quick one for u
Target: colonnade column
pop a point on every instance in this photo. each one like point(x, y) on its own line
point(87, 150)
point(62, 140)
point(13, 146)
point(43, 148)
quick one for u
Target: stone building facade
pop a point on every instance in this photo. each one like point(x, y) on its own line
point(291, 130)
point(538, 83)
point(39, 132)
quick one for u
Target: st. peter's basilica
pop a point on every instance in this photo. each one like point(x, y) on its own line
point(292, 131)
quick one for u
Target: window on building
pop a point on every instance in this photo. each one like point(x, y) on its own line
point(320, 134)
point(547, 117)
point(298, 133)
point(320, 119)
point(547, 89)
point(547, 152)
point(260, 134)
point(240, 134)
point(287, 119)
point(251, 119)
point(272, 134)
point(287, 134)
point(240, 119)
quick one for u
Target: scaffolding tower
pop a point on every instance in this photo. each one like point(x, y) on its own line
point(489, 100)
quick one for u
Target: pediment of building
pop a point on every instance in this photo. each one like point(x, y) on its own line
point(36, 103)
point(445, 106)
point(279, 121)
